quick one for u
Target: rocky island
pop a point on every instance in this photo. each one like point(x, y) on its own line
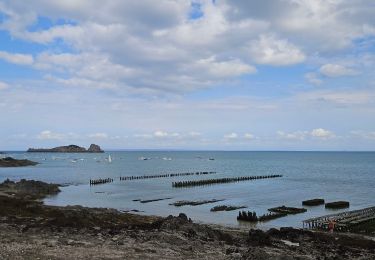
point(11, 162)
point(68, 149)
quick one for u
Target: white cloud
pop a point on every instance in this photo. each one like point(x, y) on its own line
point(161, 134)
point(224, 69)
point(231, 136)
point(297, 135)
point(273, 51)
point(336, 70)
point(194, 134)
point(322, 133)
point(304, 135)
point(48, 135)
point(3, 85)
point(340, 97)
point(313, 78)
point(98, 136)
point(364, 134)
point(17, 58)
point(248, 136)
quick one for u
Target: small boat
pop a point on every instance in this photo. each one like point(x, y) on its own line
point(211, 159)
point(109, 159)
point(143, 158)
point(167, 158)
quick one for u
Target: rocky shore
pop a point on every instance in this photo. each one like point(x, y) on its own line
point(11, 162)
point(31, 230)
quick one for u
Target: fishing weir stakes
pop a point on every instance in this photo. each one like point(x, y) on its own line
point(183, 184)
point(168, 175)
point(341, 221)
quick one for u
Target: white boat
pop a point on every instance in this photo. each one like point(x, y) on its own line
point(109, 159)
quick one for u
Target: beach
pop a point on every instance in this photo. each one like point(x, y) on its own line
point(32, 230)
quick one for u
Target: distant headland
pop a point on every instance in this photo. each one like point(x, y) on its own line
point(68, 149)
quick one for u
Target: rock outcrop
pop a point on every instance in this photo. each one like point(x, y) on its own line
point(28, 189)
point(95, 149)
point(68, 149)
point(11, 162)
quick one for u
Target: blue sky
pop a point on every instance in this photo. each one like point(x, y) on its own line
point(226, 75)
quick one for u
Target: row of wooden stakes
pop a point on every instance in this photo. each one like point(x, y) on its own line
point(182, 184)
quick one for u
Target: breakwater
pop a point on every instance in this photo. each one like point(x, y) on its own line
point(100, 181)
point(183, 184)
point(167, 175)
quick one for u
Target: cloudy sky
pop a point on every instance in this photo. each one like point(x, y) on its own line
point(228, 75)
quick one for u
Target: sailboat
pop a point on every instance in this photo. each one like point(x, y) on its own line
point(109, 159)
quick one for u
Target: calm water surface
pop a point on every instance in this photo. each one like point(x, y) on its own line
point(306, 175)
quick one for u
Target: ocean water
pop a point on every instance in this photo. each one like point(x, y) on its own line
point(306, 175)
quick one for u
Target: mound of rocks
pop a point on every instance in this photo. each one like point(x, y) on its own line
point(29, 188)
point(11, 162)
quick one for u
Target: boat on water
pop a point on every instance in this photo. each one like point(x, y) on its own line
point(143, 158)
point(109, 159)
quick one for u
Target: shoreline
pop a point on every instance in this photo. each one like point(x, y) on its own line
point(31, 229)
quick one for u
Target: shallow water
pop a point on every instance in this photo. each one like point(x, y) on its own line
point(306, 175)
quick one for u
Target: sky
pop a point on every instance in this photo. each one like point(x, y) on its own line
point(195, 75)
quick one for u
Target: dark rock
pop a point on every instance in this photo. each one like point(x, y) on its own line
point(95, 149)
point(313, 202)
point(29, 189)
point(337, 205)
point(226, 208)
point(11, 162)
point(258, 238)
point(273, 232)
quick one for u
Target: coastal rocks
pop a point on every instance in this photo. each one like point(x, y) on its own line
point(193, 203)
point(258, 238)
point(11, 162)
point(31, 230)
point(226, 208)
point(287, 210)
point(95, 149)
point(68, 149)
point(29, 188)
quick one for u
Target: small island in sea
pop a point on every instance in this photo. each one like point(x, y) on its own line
point(68, 149)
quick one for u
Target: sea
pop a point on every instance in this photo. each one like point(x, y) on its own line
point(333, 176)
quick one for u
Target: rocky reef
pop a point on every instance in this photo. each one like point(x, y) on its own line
point(68, 149)
point(28, 189)
point(11, 162)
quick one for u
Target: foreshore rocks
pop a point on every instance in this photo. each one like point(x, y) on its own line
point(11, 162)
point(68, 149)
point(31, 230)
point(28, 189)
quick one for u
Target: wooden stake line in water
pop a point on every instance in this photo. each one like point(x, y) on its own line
point(167, 175)
point(182, 184)
point(100, 181)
